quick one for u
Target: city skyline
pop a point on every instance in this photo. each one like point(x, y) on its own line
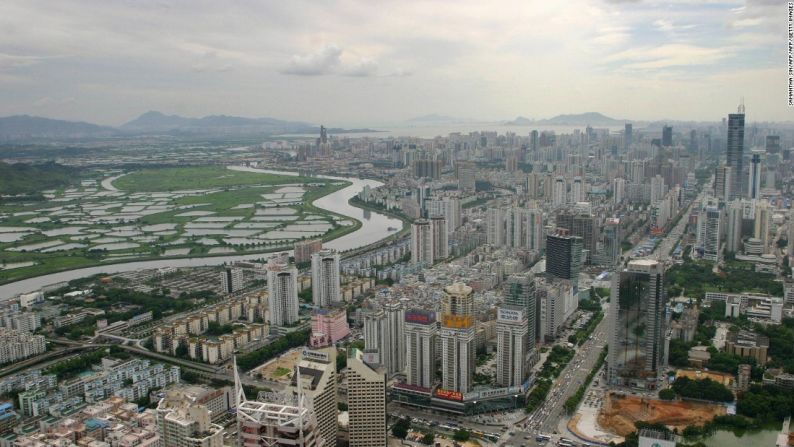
point(339, 63)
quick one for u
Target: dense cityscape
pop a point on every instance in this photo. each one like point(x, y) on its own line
point(372, 269)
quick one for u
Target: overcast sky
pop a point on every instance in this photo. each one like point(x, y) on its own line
point(379, 61)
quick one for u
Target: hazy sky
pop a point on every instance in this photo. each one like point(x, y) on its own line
point(378, 61)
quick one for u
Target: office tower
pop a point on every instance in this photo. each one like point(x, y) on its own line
point(182, 422)
point(318, 385)
point(564, 255)
point(512, 327)
point(636, 345)
point(533, 140)
point(421, 336)
point(723, 183)
point(733, 236)
point(366, 403)
point(421, 242)
point(556, 302)
point(772, 144)
point(467, 175)
point(763, 216)
point(658, 189)
point(438, 226)
point(520, 291)
point(611, 239)
point(790, 246)
point(449, 208)
point(495, 226)
point(326, 288)
point(754, 180)
point(560, 191)
point(736, 151)
point(577, 190)
point(628, 135)
point(305, 249)
point(281, 420)
point(581, 223)
point(384, 333)
point(667, 136)
point(713, 231)
point(457, 333)
point(282, 287)
point(619, 190)
point(231, 279)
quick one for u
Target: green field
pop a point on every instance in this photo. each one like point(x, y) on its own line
point(199, 177)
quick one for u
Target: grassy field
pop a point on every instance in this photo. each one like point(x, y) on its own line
point(199, 177)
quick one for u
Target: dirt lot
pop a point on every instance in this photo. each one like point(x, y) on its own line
point(274, 369)
point(725, 379)
point(620, 412)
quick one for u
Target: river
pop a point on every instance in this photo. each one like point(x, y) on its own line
point(374, 227)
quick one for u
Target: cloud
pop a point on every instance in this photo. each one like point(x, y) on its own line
point(363, 68)
point(321, 62)
point(10, 61)
point(667, 56)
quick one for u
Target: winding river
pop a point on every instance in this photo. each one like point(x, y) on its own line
point(374, 227)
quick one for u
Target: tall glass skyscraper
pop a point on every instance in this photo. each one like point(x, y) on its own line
point(736, 151)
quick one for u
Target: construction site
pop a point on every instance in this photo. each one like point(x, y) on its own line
point(620, 411)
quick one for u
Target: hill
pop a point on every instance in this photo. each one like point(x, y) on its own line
point(21, 178)
point(582, 119)
point(25, 127)
point(158, 122)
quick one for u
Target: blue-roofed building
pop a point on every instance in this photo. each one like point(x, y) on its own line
point(8, 417)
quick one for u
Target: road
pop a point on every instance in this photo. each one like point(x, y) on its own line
point(545, 419)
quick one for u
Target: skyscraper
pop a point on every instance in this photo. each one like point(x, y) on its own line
point(754, 180)
point(724, 183)
point(520, 291)
point(282, 287)
point(712, 251)
point(326, 288)
point(763, 217)
point(628, 135)
point(495, 226)
point(577, 190)
point(511, 345)
point(449, 208)
point(421, 242)
point(636, 345)
point(421, 334)
point(667, 136)
point(457, 338)
point(366, 402)
point(733, 235)
point(318, 384)
point(560, 191)
point(610, 242)
point(564, 255)
point(231, 279)
point(438, 226)
point(384, 332)
point(736, 151)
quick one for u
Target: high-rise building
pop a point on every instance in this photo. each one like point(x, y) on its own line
point(305, 249)
point(610, 242)
point(619, 190)
point(231, 279)
point(326, 286)
point(422, 242)
point(577, 190)
point(564, 255)
point(458, 357)
point(366, 402)
point(495, 226)
point(736, 151)
point(560, 192)
point(628, 135)
point(384, 333)
point(754, 180)
point(763, 217)
point(581, 223)
point(449, 208)
point(282, 287)
point(511, 346)
point(636, 344)
point(556, 303)
point(520, 291)
point(712, 251)
point(438, 226)
point(421, 337)
point(733, 234)
point(667, 136)
point(318, 384)
point(426, 168)
point(467, 175)
point(182, 422)
point(723, 183)
point(278, 420)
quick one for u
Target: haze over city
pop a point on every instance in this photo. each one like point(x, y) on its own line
point(352, 63)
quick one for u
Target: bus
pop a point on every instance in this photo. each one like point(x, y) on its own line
point(542, 438)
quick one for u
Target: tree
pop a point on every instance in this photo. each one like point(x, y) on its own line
point(400, 429)
point(667, 394)
point(461, 435)
point(429, 438)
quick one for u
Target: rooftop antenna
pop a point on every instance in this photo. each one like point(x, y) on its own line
point(741, 105)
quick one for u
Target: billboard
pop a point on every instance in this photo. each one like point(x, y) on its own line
point(509, 315)
point(309, 354)
point(449, 395)
point(457, 321)
point(420, 316)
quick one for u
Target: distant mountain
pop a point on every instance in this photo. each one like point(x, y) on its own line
point(25, 127)
point(159, 122)
point(582, 119)
point(435, 118)
point(520, 121)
